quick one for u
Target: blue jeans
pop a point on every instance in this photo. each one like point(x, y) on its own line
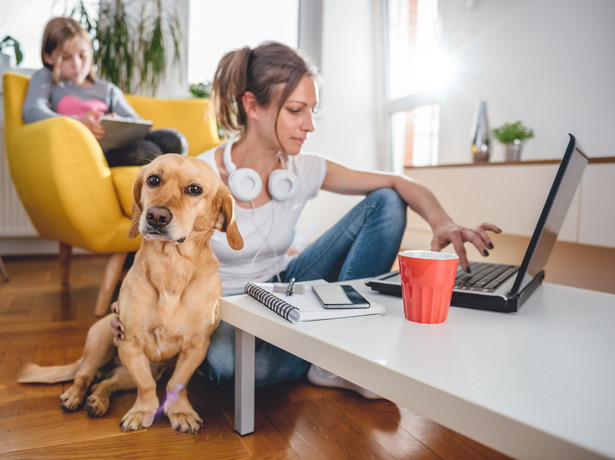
point(364, 243)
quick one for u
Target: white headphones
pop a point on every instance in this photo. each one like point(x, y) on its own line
point(246, 184)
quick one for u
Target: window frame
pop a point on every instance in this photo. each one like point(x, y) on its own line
point(386, 106)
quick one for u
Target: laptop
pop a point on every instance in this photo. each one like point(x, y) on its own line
point(505, 288)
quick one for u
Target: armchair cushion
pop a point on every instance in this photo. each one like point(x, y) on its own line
point(190, 116)
point(123, 178)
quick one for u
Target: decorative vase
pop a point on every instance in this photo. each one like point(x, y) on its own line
point(513, 150)
point(480, 134)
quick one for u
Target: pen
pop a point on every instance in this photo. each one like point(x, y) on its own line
point(290, 289)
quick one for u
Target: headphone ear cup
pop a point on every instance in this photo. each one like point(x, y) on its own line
point(283, 184)
point(245, 184)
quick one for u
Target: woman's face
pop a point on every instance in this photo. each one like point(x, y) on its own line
point(295, 120)
point(76, 60)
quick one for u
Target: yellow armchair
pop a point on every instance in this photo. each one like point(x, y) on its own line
point(66, 187)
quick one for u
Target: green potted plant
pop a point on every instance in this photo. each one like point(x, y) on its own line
point(512, 136)
point(10, 42)
point(126, 43)
point(201, 89)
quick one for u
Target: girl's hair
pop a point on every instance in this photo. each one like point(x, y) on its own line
point(57, 33)
point(265, 71)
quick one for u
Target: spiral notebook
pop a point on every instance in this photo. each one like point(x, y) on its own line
point(303, 305)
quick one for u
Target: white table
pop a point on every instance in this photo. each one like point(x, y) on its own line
point(539, 383)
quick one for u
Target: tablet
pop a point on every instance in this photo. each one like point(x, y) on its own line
point(120, 131)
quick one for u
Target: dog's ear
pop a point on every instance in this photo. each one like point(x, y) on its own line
point(137, 207)
point(226, 218)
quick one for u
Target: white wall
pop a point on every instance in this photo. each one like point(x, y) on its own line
point(214, 28)
point(549, 63)
point(345, 121)
point(344, 124)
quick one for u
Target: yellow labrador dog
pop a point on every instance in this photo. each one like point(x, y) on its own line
point(169, 298)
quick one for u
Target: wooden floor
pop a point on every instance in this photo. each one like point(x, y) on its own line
point(41, 322)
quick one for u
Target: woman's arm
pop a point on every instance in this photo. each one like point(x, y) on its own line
point(340, 179)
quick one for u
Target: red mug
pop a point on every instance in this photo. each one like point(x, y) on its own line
point(427, 280)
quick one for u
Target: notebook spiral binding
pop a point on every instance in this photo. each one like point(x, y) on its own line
point(279, 306)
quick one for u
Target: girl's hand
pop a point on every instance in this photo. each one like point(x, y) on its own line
point(450, 232)
point(90, 119)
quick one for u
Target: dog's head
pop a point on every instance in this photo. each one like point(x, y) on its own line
point(177, 195)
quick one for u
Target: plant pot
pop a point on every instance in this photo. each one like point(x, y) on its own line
point(513, 150)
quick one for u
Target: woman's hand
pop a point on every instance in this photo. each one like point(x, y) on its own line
point(450, 233)
point(116, 325)
point(90, 120)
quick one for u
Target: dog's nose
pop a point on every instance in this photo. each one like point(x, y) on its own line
point(158, 217)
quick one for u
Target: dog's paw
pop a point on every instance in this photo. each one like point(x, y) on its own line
point(72, 399)
point(97, 404)
point(137, 419)
point(185, 420)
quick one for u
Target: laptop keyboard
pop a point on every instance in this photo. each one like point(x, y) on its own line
point(485, 277)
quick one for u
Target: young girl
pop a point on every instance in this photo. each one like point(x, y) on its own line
point(267, 96)
point(67, 86)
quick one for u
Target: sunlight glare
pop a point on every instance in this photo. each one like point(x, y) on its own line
point(434, 69)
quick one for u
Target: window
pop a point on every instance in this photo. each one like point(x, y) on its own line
point(416, 70)
point(414, 135)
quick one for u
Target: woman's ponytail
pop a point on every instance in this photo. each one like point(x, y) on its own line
point(229, 85)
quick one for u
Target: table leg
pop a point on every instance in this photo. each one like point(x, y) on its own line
point(244, 382)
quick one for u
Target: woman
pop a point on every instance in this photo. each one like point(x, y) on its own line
point(266, 96)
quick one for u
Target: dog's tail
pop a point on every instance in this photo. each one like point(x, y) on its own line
point(33, 373)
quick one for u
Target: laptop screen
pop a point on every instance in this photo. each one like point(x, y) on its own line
point(553, 214)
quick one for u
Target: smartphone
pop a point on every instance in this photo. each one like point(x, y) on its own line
point(339, 296)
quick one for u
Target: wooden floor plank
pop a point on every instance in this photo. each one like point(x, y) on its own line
point(445, 443)
point(382, 426)
point(146, 444)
